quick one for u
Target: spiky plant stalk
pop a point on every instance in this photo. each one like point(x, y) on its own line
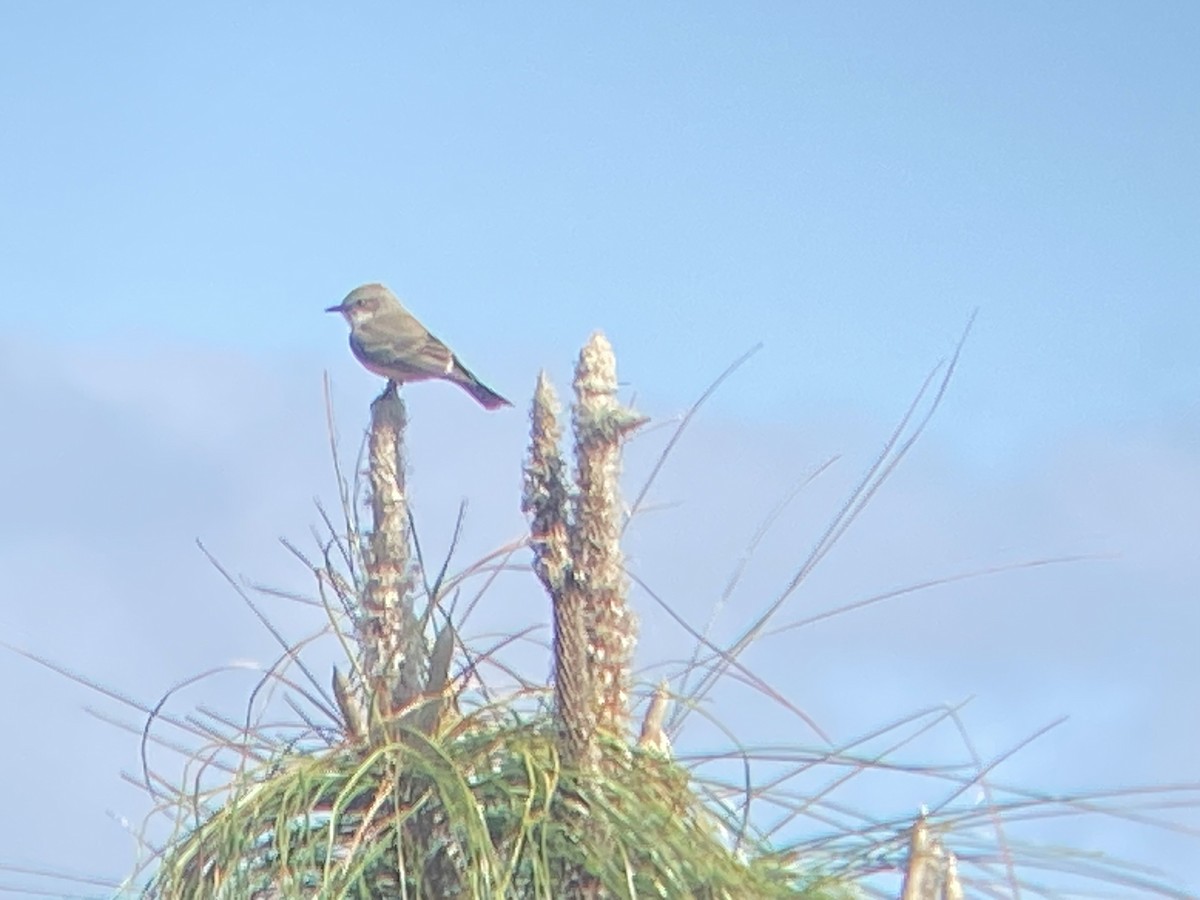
point(547, 501)
point(577, 557)
point(389, 639)
point(598, 566)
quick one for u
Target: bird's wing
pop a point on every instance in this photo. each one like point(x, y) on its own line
point(401, 344)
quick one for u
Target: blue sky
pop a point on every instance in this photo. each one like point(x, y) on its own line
point(186, 189)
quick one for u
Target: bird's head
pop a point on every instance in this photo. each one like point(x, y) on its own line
point(365, 303)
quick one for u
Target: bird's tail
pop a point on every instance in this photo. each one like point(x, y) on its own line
point(487, 398)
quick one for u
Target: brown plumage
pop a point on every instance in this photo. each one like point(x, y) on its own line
point(389, 341)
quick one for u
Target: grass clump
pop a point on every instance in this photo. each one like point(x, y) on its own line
point(483, 809)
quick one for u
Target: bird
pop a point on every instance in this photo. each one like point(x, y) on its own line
point(389, 341)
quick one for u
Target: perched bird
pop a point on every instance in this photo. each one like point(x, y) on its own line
point(389, 341)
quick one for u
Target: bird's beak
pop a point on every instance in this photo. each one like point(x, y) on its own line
point(339, 308)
